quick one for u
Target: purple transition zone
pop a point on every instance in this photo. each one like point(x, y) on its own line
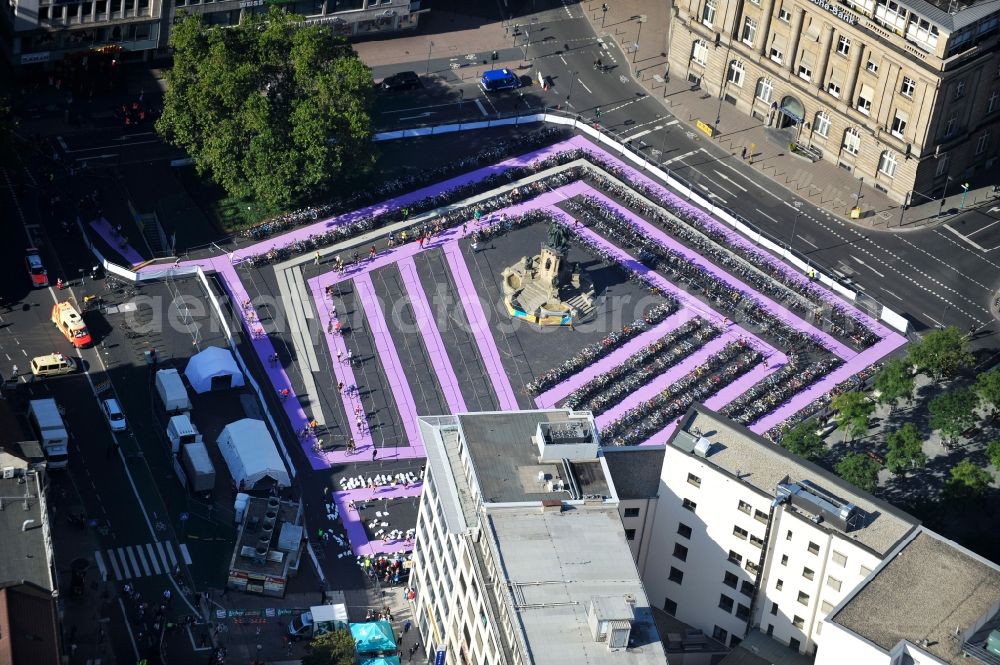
point(104, 229)
point(356, 535)
point(223, 266)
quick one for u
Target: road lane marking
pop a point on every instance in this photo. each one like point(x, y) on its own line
point(730, 180)
point(128, 627)
point(163, 557)
point(940, 325)
point(101, 566)
point(170, 552)
point(479, 105)
point(184, 553)
point(767, 215)
point(678, 158)
point(985, 227)
point(131, 556)
point(585, 86)
point(153, 561)
point(114, 564)
point(563, 60)
point(860, 262)
point(967, 239)
point(808, 242)
point(745, 177)
point(638, 135)
point(142, 559)
point(715, 184)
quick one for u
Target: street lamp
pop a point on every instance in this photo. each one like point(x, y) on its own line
point(944, 195)
point(795, 223)
point(604, 15)
point(429, 47)
point(641, 20)
point(527, 40)
point(965, 192)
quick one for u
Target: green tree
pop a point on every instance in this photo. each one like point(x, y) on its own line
point(968, 480)
point(859, 470)
point(854, 408)
point(271, 108)
point(954, 412)
point(988, 388)
point(941, 353)
point(802, 440)
point(905, 449)
point(333, 648)
point(894, 382)
point(993, 453)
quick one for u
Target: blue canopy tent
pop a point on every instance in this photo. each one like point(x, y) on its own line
point(373, 637)
point(379, 660)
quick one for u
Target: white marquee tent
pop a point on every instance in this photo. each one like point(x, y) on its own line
point(212, 369)
point(250, 453)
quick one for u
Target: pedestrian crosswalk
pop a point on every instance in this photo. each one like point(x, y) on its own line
point(134, 561)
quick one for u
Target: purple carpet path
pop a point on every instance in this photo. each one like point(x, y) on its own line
point(355, 529)
point(389, 357)
point(842, 351)
point(734, 236)
point(432, 336)
point(560, 391)
point(107, 232)
point(480, 328)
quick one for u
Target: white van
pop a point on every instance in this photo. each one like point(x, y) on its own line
point(53, 364)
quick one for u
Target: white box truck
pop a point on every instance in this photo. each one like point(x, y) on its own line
point(198, 467)
point(181, 431)
point(47, 420)
point(172, 392)
point(321, 619)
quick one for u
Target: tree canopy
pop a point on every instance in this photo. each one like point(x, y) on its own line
point(993, 453)
point(941, 353)
point(954, 412)
point(859, 470)
point(802, 440)
point(854, 408)
point(905, 449)
point(988, 388)
point(271, 109)
point(968, 480)
point(894, 381)
point(333, 648)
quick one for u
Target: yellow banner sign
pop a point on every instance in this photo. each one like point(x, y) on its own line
point(706, 128)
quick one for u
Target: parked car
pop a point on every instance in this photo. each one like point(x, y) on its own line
point(401, 81)
point(113, 412)
point(496, 80)
point(36, 269)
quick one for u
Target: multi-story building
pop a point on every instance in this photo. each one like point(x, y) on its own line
point(904, 94)
point(520, 555)
point(42, 31)
point(930, 601)
point(635, 471)
point(747, 535)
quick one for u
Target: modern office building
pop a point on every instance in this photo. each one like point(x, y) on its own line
point(749, 536)
point(520, 555)
point(930, 601)
point(635, 471)
point(904, 94)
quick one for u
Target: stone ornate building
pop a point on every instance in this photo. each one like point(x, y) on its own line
point(902, 93)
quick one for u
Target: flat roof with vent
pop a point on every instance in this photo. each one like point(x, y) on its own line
point(738, 452)
point(24, 553)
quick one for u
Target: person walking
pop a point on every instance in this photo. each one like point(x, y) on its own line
point(316, 261)
point(374, 452)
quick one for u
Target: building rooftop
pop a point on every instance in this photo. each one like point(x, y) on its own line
point(635, 470)
point(28, 620)
point(763, 465)
point(556, 561)
point(759, 649)
point(270, 537)
point(507, 462)
point(26, 552)
point(927, 590)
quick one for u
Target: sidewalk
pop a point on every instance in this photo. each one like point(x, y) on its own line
point(822, 183)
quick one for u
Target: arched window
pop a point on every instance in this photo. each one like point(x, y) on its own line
point(699, 52)
point(736, 73)
point(852, 141)
point(887, 163)
point(765, 90)
point(822, 124)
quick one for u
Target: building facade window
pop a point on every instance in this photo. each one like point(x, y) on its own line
point(951, 124)
point(959, 90)
point(730, 580)
point(777, 53)
point(843, 45)
point(872, 67)
point(833, 89)
point(749, 31)
point(726, 603)
point(822, 124)
point(833, 582)
point(737, 73)
point(629, 534)
point(813, 548)
point(631, 512)
point(760, 516)
point(689, 505)
point(764, 90)
point(708, 13)
point(784, 559)
point(942, 165)
point(699, 52)
point(898, 124)
point(865, 99)
point(993, 102)
point(774, 609)
point(907, 87)
point(720, 634)
point(680, 552)
point(887, 163)
point(735, 557)
point(694, 480)
point(676, 575)
point(740, 532)
point(808, 573)
point(742, 612)
point(744, 507)
point(669, 606)
point(746, 588)
point(798, 622)
point(803, 598)
point(779, 584)
point(839, 559)
point(983, 142)
point(784, 14)
point(683, 530)
point(805, 72)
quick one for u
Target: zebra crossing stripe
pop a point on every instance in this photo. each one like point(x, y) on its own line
point(101, 566)
point(184, 553)
point(163, 557)
point(131, 557)
point(152, 558)
point(124, 559)
point(114, 564)
point(170, 551)
point(142, 559)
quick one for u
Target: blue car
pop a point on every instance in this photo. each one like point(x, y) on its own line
point(499, 79)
